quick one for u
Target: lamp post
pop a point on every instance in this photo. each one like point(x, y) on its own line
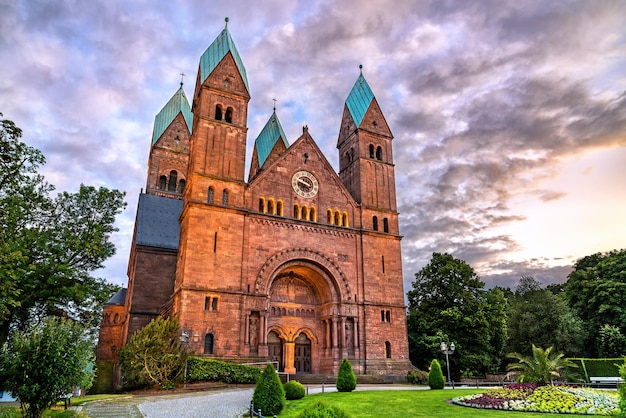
point(184, 338)
point(447, 350)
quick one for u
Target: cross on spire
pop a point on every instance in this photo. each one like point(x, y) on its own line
point(182, 78)
point(275, 100)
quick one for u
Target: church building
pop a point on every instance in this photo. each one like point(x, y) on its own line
point(296, 264)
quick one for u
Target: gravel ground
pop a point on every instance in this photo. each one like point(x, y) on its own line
point(232, 403)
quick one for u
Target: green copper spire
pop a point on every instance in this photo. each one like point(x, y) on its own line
point(359, 99)
point(271, 133)
point(217, 51)
point(177, 104)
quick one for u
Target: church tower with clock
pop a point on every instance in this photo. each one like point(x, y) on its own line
point(298, 264)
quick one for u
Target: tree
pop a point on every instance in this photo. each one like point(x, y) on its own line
point(46, 361)
point(269, 394)
point(539, 316)
point(596, 291)
point(541, 368)
point(49, 245)
point(346, 380)
point(611, 342)
point(448, 302)
point(435, 375)
point(154, 355)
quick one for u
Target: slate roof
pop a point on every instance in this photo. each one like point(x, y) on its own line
point(216, 52)
point(271, 133)
point(359, 99)
point(118, 299)
point(177, 104)
point(157, 222)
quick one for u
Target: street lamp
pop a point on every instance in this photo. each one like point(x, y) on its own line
point(447, 351)
point(184, 338)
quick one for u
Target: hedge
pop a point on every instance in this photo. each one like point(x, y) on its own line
point(202, 369)
point(597, 367)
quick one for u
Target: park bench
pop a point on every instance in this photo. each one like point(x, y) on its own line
point(611, 381)
point(66, 398)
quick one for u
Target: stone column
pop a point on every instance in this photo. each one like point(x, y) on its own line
point(343, 333)
point(334, 332)
point(356, 333)
point(327, 326)
point(289, 354)
point(247, 336)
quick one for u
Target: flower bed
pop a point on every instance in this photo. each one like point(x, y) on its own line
point(552, 399)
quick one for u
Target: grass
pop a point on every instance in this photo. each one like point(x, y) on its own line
point(391, 403)
point(56, 411)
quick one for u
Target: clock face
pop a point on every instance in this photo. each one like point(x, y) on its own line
point(305, 184)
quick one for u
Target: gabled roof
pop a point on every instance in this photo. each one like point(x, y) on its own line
point(216, 52)
point(271, 133)
point(117, 299)
point(177, 104)
point(359, 99)
point(157, 222)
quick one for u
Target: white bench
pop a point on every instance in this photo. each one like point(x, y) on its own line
point(605, 381)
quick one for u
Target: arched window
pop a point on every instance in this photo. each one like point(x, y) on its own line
point(162, 182)
point(385, 225)
point(388, 316)
point(313, 214)
point(305, 212)
point(382, 316)
point(329, 216)
point(296, 211)
point(379, 153)
point(218, 112)
point(116, 318)
point(225, 197)
point(279, 208)
point(229, 115)
point(375, 223)
point(181, 185)
point(271, 207)
point(345, 219)
point(338, 218)
point(208, 344)
point(262, 205)
point(372, 151)
point(387, 349)
point(210, 195)
point(171, 185)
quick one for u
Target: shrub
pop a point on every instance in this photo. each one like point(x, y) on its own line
point(321, 410)
point(294, 390)
point(269, 394)
point(417, 377)
point(622, 392)
point(207, 370)
point(435, 376)
point(346, 380)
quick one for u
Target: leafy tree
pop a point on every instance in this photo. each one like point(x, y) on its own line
point(539, 316)
point(269, 393)
point(154, 355)
point(346, 380)
point(448, 302)
point(541, 368)
point(596, 290)
point(435, 375)
point(46, 361)
point(611, 342)
point(49, 245)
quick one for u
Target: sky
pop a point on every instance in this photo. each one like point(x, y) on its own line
point(509, 117)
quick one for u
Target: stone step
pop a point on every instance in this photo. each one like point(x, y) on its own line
point(117, 408)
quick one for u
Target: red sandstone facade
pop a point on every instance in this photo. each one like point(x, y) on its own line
point(298, 265)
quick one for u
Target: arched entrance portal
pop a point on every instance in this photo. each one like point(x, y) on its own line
point(275, 349)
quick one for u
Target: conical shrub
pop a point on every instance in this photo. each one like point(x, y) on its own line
point(346, 380)
point(435, 376)
point(269, 394)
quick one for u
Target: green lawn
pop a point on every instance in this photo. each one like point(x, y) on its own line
point(402, 403)
point(56, 411)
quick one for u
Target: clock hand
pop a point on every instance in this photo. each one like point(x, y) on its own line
point(303, 182)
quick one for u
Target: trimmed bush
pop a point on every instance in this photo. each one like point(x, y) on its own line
point(622, 392)
point(346, 380)
point(269, 394)
point(417, 377)
point(435, 376)
point(322, 410)
point(294, 390)
point(207, 370)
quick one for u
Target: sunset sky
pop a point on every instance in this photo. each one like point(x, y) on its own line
point(509, 117)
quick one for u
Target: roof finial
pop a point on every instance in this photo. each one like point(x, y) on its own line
point(182, 78)
point(275, 100)
point(361, 68)
point(226, 20)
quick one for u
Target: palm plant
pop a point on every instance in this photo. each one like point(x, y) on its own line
point(540, 368)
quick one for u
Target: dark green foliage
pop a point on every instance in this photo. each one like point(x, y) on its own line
point(322, 410)
point(50, 245)
point(207, 370)
point(611, 342)
point(417, 377)
point(622, 391)
point(104, 378)
point(45, 362)
point(294, 390)
point(154, 356)
point(346, 380)
point(600, 367)
point(269, 394)
point(538, 316)
point(448, 302)
point(435, 376)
